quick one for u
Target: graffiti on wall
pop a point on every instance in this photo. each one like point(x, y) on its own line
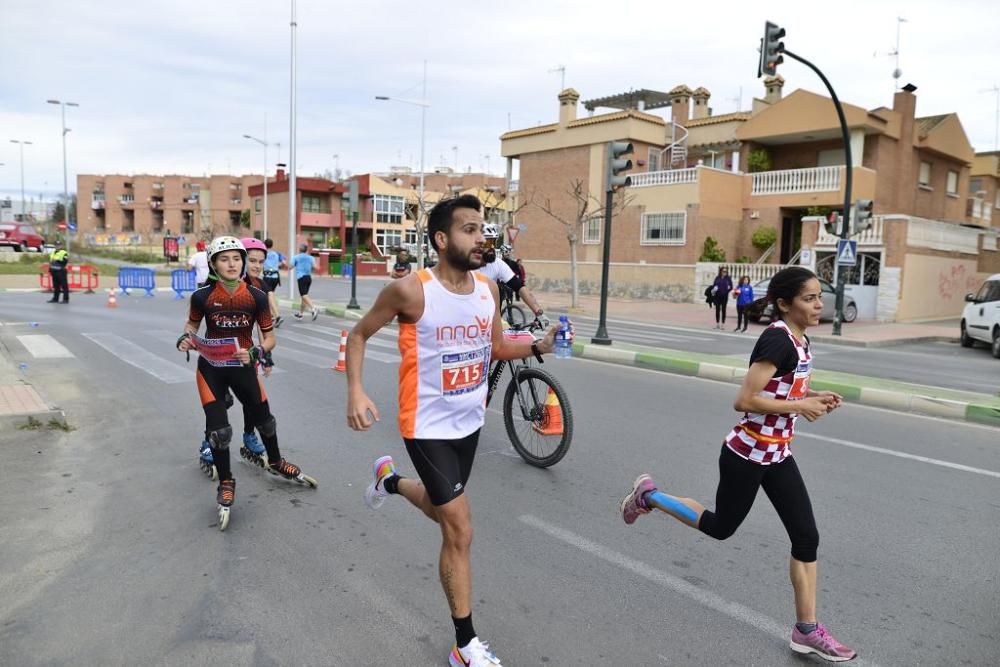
point(957, 282)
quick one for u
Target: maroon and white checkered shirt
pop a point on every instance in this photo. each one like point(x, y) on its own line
point(764, 438)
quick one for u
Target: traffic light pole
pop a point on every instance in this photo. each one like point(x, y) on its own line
point(353, 304)
point(845, 225)
point(601, 336)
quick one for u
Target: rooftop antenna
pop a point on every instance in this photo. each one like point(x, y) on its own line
point(896, 72)
point(738, 99)
point(996, 130)
point(562, 71)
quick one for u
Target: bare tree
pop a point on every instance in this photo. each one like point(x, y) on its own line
point(586, 208)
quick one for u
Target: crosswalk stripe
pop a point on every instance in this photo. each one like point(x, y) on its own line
point(44, 346)
point(144, 360)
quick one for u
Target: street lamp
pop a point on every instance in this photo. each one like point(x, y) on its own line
point(292, 190)
point(264, 144)
point(22, 143)
point(63, 106)
point(423, 104)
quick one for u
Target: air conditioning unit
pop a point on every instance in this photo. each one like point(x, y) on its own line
point(754, 215)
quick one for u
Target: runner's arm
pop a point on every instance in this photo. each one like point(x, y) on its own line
point(749, 399)
point(504, 349)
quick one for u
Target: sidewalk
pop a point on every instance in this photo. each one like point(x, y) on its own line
point(20, 404)
point(860, 333)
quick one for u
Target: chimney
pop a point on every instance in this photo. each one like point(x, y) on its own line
point(904, 102)
point(701, 97)
point(680, 105)
point(567, 106)
point(280, 175)
point(772, 88)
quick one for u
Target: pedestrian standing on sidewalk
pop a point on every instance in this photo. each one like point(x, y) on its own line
point(744, 297)
point(57, 271)
point(756, 453)
point(721, 288)
point(199, 262)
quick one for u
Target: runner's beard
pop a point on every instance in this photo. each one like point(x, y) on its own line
point(463, 262)
point(489, 256)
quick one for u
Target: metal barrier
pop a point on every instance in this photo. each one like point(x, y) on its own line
point(183, 280)
point(83, 277)
point(134, 277)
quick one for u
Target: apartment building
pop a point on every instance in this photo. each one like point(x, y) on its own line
point(146, 207)
point(319, 215)
point(983, 208)
point(697, 176)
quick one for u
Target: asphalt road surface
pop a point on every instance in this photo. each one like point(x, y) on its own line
point(110, 553)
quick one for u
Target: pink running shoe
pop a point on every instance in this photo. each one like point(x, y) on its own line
point(822, 643)
point(633, 505)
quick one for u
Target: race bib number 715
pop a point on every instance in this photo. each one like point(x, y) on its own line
point(462, 372)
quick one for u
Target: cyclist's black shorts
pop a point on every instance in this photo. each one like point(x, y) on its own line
point(245, 385)
point(443, 466)
point(304, 283)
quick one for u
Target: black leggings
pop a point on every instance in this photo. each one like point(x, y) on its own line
point(739, 480)
point(742, 318)
point(245, 385)
point(720, 308)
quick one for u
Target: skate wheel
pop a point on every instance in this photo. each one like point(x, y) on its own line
point(223, 517)
point(311, 481)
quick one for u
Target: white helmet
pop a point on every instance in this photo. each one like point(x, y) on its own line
point(491, 231)
point(224, 243)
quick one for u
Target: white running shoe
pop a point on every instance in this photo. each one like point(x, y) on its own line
point(375, 494)
point(476, 654)
point(315, 313)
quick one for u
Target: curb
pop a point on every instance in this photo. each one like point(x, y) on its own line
point(901, 401)
point(24, 418)
point(889, 342)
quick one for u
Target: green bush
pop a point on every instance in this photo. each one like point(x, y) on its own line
point(34, 257)
point(759, 160)
point(711, 252)
point(743, 260)
point(764, 237)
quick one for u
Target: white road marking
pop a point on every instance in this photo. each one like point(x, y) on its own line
point(902, 455)
point(734, 610)
point(142, 359)
point(44, 346)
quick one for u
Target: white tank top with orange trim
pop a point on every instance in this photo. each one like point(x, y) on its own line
point(446, 358)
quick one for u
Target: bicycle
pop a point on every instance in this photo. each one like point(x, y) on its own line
point(512, 313)
point(541, 428)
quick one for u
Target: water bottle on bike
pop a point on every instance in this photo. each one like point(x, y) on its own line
point(564, 346)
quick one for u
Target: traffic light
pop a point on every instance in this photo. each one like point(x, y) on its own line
point(618, 151)
point(863, 214)
point(832, 223)
point(771, 47)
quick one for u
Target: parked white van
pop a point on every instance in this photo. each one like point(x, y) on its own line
point(981, 317)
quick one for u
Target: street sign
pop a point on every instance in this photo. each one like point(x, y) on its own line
point(847, 252)
point(62, 225)
point(522, 227)
point(512, 233)
point(806, 256)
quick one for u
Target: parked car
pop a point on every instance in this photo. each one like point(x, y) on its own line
point(981, 316)
point(762, 311)
point(20, 236)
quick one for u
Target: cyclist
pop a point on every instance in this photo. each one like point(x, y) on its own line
point(756, 453)
point(449, 329)
point(231, 308)
point(496, 269)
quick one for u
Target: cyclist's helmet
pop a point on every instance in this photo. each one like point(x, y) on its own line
point(254, 244)
point(491, 231)
point(505, 249)
point(224, 243)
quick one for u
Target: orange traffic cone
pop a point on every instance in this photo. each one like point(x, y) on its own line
point(552, 422)
point(341, 365)
point(112, 302)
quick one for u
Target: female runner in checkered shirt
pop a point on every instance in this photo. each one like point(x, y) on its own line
point(756, 453)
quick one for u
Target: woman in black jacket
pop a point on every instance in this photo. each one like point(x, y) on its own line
point(721, 288)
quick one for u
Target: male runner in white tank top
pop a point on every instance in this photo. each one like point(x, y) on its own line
point(449, 331)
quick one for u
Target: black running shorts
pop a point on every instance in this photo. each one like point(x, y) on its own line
point(443, 466)
point(304, 283)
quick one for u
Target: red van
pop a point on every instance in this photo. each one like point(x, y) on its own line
point(21, 236)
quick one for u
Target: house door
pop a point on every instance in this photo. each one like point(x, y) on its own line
point(791, 237)
point(861, 280)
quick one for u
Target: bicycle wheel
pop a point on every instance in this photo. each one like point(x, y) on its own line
point(538, 418)
point(515, 316)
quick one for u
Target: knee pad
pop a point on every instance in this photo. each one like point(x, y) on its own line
point(221, 438)
point(269, 427)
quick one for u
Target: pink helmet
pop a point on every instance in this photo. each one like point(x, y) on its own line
point(254, 244)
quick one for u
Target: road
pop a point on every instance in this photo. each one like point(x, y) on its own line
point(111, 556)
point(937, 364)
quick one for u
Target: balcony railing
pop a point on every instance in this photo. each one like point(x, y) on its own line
point(97, 203)
point(235, 201)
point(156, 203)
point(126, 200)
point(669, 177)
point(157, 186)
point(793, 181)
point(191, 200)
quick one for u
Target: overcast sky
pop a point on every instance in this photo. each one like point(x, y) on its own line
point(171, 86)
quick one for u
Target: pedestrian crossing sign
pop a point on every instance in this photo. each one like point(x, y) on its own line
point(847, 252)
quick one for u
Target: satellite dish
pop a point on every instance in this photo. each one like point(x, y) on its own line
point(896, 73)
